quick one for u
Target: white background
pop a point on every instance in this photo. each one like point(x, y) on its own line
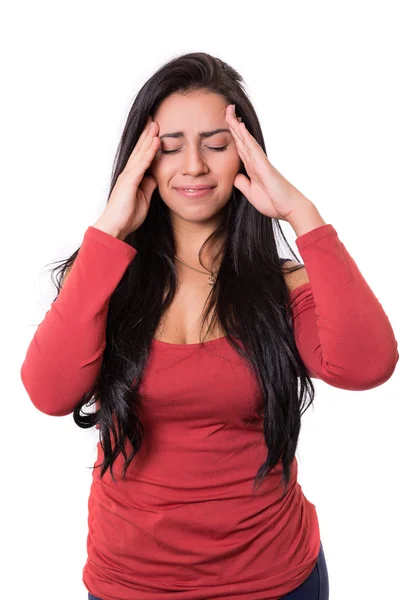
point(323, 78)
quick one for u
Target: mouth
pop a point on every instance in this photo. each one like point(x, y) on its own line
point(196, 192)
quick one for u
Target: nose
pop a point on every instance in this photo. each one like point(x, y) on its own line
point(194, 162)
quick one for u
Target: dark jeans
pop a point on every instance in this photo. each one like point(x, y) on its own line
point(315, 587)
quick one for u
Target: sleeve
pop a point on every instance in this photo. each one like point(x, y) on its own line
point(64, 357)
point(343, 335)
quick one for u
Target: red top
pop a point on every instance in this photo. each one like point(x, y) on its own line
point(185, 522)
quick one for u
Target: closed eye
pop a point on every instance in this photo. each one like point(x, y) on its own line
point(217, 149)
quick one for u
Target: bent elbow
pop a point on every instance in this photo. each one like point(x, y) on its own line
point(46, 402)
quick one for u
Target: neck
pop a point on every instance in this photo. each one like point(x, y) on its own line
point(189, 238)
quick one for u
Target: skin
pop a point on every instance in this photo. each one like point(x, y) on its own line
point(195, 162)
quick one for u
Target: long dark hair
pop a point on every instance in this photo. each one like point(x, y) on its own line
point(250, 298)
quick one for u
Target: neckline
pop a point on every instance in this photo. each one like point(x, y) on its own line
point(154, 342)
point(193, 345)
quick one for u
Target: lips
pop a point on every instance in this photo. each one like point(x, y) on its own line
point(198, 192)
point(195, 187)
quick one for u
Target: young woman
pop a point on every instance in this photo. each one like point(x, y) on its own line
point(197, 495)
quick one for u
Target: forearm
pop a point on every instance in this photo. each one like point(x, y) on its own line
point(342, 332)
point(65, 355)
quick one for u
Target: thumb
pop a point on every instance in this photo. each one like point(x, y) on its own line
point(148, 185)
point(242, 183)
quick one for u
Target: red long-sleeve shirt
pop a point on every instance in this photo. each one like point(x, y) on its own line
point(185, 524)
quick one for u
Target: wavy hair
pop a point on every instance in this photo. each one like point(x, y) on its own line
point(250, 298)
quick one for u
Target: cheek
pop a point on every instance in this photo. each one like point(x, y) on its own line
point(232, 156)
point(159, 172)
point(232, 165)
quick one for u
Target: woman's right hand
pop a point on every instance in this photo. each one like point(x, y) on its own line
point(129, 201)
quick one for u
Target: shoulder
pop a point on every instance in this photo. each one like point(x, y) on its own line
point(296, 277)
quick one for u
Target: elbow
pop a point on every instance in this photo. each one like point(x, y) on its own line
point(43, 401)
point(383, 371)
point(383, 374)
point(379, 363)
point(49, 408)
point(358, 375)
point(362, 379)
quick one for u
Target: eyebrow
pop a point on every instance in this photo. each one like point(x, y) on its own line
point(202, 134)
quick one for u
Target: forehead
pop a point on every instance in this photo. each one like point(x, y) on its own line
point(191, 113)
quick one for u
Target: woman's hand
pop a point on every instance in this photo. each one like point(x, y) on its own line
point(129, 202)
point(267, 189)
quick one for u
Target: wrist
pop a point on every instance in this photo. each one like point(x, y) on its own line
point(110, 229)
point(305, 218)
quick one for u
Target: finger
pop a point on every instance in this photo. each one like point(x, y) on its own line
point(152, 132)
point(142, 162)
point(233, 120)
point(145, 133)
point(144, 143)
point(238, 126)
point(246, 143)
point(145, 158)
point(236, 132)
point(240, 145)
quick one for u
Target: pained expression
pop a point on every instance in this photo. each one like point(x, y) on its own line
point(188, 159)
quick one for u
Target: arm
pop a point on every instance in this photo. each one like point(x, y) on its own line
point(342, 332)
point(65, 355)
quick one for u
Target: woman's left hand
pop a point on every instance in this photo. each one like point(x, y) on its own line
point(267, 190)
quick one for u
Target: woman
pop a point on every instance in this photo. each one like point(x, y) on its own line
point(197, 496)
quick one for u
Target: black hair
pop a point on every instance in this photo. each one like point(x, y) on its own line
point(250, 298)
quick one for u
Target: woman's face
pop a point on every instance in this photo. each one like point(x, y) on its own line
point(194, 160)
